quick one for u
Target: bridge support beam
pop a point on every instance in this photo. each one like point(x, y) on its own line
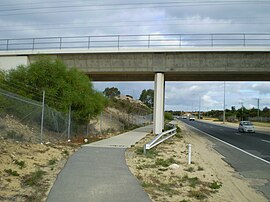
point(159, 103)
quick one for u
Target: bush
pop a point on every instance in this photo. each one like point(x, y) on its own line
point(63, 87)
point(168, 116)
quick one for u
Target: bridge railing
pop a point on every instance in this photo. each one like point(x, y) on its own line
point(136, 41)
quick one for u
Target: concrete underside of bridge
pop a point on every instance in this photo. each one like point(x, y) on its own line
point(177, 66)
point(208, 64)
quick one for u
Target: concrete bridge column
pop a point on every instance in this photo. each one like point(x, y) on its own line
point(159, 103)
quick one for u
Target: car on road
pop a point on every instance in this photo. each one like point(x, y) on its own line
point(246, 126)
point(191, 118)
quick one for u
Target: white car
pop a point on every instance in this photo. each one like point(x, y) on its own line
point(246, 126)
point(191, 118)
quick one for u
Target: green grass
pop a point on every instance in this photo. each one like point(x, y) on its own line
point(152, 153)
point(52, 161)
point(193, 182)
point(34, 178)
point(13, 135)
point(262, 124)
point(197, 194)
point(165, 163)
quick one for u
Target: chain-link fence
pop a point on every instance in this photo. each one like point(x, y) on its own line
point(22, 119)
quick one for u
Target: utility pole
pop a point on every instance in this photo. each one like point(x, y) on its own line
point(242, 110)
point(224, 104)
point(200, 108)
point(258, 99)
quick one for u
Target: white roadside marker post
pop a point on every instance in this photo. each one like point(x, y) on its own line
point(189, 154)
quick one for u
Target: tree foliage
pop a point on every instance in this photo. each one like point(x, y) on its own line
point(63, 87)
point(111, 92)
point(240, 113)
point(147, 97)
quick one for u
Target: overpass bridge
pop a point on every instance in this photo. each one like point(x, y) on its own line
point(159, 58)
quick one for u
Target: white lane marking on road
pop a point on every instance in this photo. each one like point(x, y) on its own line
point(237, 133)
point(266, 141)
point(261, 159)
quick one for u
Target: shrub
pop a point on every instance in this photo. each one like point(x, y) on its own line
point(21, 164)
point(12, 172)
point(215, 185)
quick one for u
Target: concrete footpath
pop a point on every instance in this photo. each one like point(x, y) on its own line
point(98, 172)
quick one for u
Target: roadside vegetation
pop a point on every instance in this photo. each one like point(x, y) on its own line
point(165, 175)
point(64, 87)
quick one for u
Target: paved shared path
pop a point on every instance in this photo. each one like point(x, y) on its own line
point(98, 172)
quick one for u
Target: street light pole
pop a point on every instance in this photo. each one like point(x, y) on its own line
point(258, 109)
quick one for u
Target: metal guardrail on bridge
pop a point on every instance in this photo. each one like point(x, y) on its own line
point(136, 41)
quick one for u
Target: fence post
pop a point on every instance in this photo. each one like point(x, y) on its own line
point(100, 123)
point(69, 122)
point(42, 118)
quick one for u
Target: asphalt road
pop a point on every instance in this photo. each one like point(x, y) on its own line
point(247, 153)
point(254, 143)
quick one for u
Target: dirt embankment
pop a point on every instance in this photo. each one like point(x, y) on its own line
point(28, 170)
point(166, 176)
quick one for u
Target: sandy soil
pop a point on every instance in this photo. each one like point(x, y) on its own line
point(19, 164)
point(208, 178)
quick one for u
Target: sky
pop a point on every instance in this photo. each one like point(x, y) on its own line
point(37, 18)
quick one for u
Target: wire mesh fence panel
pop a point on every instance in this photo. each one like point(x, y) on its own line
point(21, 120)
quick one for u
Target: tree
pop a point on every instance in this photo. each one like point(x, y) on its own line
point(147, 97)
point(64, 87)
point(111, 92)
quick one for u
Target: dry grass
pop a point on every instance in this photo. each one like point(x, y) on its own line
point(163, 183)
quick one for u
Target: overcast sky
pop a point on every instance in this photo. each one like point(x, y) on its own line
point(34, 18)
